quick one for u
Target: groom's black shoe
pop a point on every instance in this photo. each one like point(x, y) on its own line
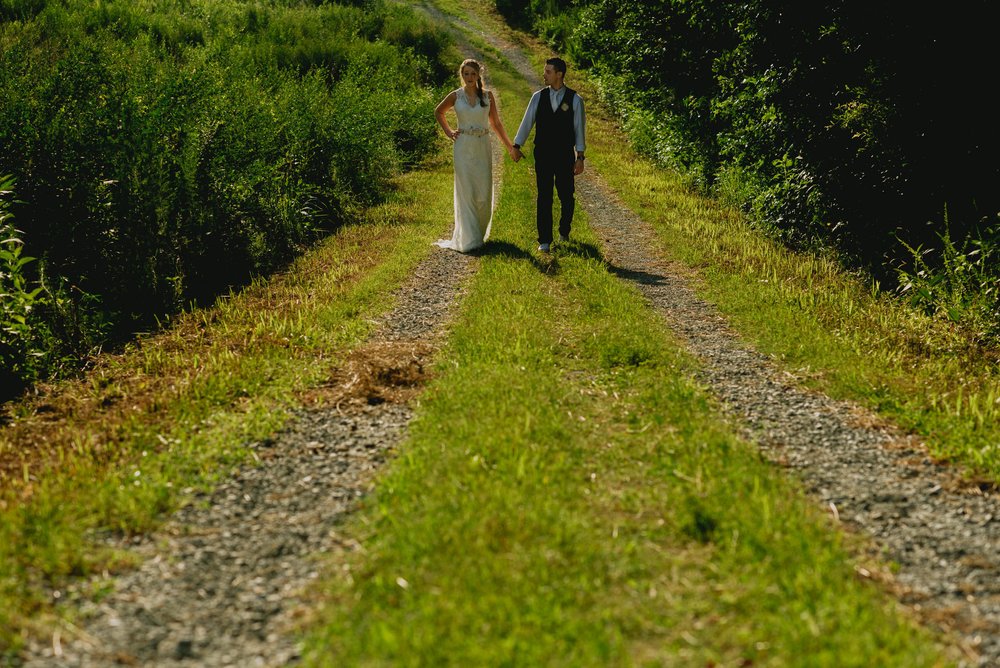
point(543, 247)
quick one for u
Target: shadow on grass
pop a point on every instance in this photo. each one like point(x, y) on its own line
point(548, 263)
point(592, 252)
point(543, 262)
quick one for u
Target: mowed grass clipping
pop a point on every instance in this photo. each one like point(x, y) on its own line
point(568, 497)
point(119, 448)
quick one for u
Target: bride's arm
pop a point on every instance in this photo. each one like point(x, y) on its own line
point(498, 125)
point(447, 103)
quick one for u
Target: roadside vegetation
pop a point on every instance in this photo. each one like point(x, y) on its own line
point(155, 154)
point(840, 128)
point(831, 329)
point(112, 452)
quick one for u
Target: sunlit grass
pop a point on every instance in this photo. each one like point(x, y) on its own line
point(568, 496)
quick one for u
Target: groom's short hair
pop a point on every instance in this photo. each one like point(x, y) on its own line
point(558, 64)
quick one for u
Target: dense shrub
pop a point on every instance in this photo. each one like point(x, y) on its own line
point(551, 19)
point(165, 151)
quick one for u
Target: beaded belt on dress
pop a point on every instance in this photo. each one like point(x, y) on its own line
point(474, 132)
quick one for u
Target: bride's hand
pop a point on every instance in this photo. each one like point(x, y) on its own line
point(453, 134)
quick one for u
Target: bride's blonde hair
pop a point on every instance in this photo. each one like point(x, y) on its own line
point(477, 66)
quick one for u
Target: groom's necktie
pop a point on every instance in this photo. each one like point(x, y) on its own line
point(555, 97)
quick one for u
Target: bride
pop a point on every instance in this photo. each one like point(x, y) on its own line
point(476, 110)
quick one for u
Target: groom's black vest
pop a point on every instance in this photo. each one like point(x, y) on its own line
point(554, 132)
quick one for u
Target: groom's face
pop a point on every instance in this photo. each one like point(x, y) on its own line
point(552, 77)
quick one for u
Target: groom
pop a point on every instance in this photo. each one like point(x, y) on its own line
point(560, 127)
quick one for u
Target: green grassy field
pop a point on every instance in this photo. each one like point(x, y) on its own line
point(569, 497)
point(567, 494)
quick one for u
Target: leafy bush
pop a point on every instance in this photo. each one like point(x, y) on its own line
point(552, 19)
point(165, 153)
point(20, 10)
point(18, 299)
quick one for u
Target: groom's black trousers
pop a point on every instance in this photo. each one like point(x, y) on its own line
point(554, 169)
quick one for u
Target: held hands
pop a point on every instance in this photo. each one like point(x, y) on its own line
point(516, 155)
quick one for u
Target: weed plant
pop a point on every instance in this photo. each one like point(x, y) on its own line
point(959, 280)
point(19, 299)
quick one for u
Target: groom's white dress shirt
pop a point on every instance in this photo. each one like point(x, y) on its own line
point(556, 98)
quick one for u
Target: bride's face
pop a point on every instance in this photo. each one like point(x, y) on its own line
point(469, 76)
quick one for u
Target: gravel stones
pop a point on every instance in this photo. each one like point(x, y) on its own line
point(218, 585)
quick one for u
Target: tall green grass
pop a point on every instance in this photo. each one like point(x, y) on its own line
point(166, 151)
point(958, 280)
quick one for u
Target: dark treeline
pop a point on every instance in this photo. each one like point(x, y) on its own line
point(850, 124)
point(155, 153)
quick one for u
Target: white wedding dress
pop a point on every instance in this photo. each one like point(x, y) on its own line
point(473, 176)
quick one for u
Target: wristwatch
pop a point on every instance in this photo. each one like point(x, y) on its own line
point(579, 156)
point(517, 146)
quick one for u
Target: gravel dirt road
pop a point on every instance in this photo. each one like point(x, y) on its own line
point(225, 580)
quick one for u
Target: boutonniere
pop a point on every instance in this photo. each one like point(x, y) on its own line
point(564, 107)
